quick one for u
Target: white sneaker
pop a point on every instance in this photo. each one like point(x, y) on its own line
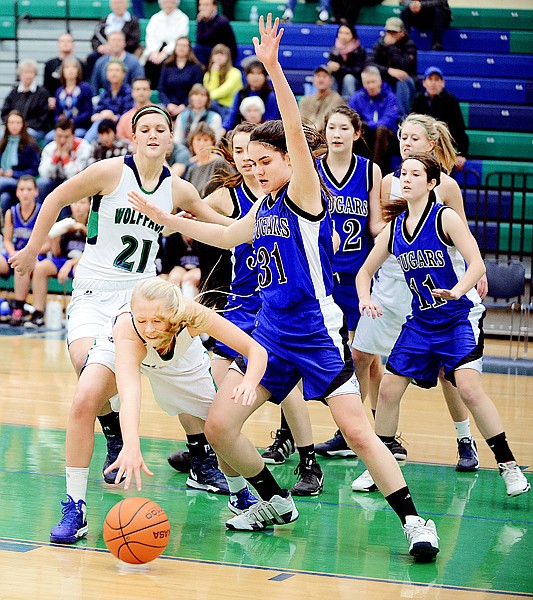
point(515, 481)
point(323, 15)
point(276, 511)
point(287, 15)
point(364, 483)
point(422, 537)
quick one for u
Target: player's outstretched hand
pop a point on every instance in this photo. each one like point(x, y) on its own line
point(129, 462)
point(23, 261)
point(267, 49)
point(445, 294)
point(370, 309)
point(151, 210)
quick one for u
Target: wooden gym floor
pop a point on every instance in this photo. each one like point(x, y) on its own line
point(344, 545)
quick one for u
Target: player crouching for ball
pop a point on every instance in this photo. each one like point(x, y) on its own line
point(157, 334)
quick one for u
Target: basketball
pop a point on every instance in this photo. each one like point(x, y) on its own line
point(136, 530)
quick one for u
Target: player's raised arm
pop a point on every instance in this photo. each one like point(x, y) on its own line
point(304, 186)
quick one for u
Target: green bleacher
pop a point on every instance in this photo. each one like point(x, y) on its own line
point(7, 28)
point(501, 144)
point(54, 287)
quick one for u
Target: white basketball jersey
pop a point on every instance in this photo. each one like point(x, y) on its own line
point(122, 243)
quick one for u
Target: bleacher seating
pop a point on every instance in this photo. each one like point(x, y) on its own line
point(487, 62)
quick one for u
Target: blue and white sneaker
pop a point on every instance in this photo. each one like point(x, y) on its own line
point(336, 447)
point(241, 501)
point(205, 475)
point(468, 457)
point(114, 446)
point(73, 524)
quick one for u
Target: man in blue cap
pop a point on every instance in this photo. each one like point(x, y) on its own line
point(437, 102)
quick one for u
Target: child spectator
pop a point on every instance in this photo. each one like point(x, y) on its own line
point(197, 111)
point(63, 158)
point(108, 145)
point(222, 79)
point(19, 155)
point(20, 221)
point(68, 241)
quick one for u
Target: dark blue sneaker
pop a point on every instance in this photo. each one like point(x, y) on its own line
point(73, 525)
point(468, 457)
point(114, 446)
point(205, 475)
point(336, 447)
point(241, 501)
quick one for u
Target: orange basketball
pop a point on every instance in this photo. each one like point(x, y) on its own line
point(136, 530)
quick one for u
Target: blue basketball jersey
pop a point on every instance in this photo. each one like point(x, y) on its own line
point(22, 228)
point(293, 251)
point(428, 261)
point(244, 268)
point(349, 208)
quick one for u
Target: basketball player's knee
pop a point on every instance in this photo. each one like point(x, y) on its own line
point(84, 406)
point(356, 436)
point(471, 393)
point(387, 395)
point(362, 360)
point(215, 431)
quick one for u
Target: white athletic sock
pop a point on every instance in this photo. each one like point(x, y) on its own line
point(463, 429)
point(77, 482)
point(236, 484)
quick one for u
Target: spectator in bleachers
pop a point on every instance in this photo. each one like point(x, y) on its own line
point(19, 155)
point(347, 11)
point(377, 106)
point(20, 221)
point(316, 106)
point(179, 256)
point(439, 103)
point(73, 99)
point(222, 79)
point(178, 158)
point(117, 51)
point(30, 99)
point(114, 99)
point(141, 93)
point(108, 145)
point(427, 15)
point(204, 162)
point(197, 111)
point(252, 109)
point(65, 49)
point(62, 158)
point(119, 19)
point(212, 28)
point(163, 30)
point(346, 60)
point(67, 239)
point(395, 55)
point(323, 8)
point(256, 85)
point(181, 71)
